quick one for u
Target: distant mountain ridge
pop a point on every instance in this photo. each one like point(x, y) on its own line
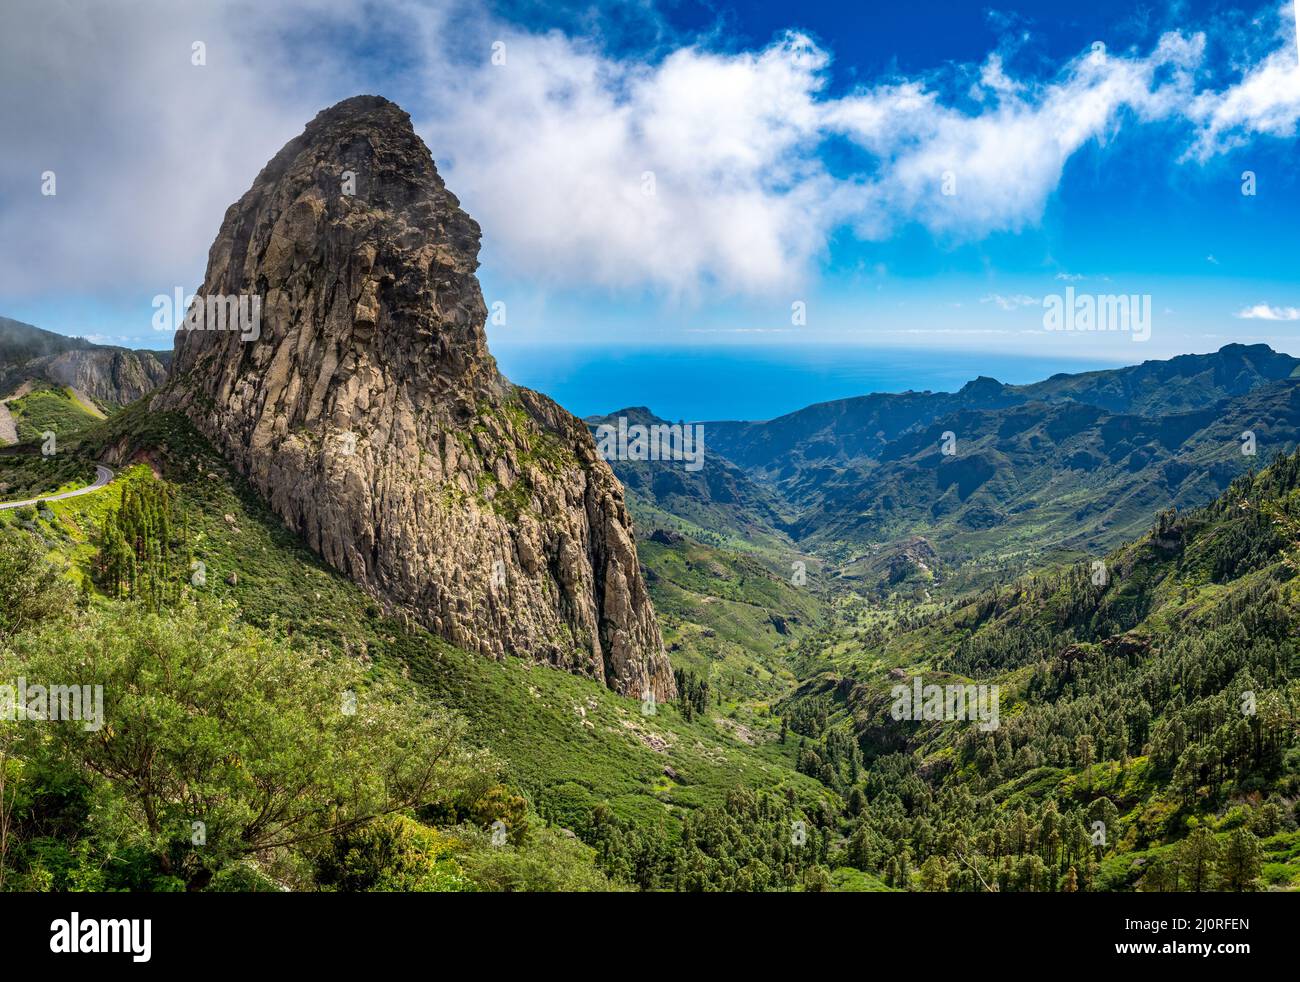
point(1081, 474)
point(720, 501)
point(105, 374)
point(1074, 462)
point(844, 430)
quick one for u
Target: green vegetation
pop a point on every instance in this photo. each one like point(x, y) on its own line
point(225, 756)
point(1146, 736)
point(728, 617)
point(48, 408)
point(27, 475)
point(1039, 474)
point(568, 747)
point(137, 552)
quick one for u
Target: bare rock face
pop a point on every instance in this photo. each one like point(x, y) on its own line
point(112, 376)
point(367, 410)
point(107, 375)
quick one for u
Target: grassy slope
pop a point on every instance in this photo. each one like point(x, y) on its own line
point(707, 522)
point(568, 742)
point(49, 407)
point(728, 617)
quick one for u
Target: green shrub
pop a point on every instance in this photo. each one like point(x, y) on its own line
point(241, 877)
point(390, 854)
point(549, 862)
point(241, 728)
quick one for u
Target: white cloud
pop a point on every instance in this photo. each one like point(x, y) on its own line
point(1265, 102)
point(1003, 162)
point(742, 199)
point(148, 149)
point(1013, 302)
point(1267, 312)
point(555, 150)
point(698, 170)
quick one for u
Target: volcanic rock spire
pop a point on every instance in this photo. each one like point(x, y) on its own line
point(366, 409)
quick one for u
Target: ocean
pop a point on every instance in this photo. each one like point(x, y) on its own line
point(699, 383)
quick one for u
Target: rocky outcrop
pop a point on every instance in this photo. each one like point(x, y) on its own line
point(369, 413)
point(109, 376)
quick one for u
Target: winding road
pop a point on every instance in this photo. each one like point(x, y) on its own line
point(102, 477)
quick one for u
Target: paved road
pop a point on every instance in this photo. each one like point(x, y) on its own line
point(102, 476)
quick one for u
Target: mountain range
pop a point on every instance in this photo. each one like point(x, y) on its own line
point(1073, 464)
point(378, 619)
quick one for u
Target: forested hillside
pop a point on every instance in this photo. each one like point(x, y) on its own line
point(1153, 691)
point(1009, 477)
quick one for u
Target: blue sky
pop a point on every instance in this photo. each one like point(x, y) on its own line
point(679, 174)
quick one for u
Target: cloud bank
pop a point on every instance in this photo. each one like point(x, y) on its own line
point(684, 172)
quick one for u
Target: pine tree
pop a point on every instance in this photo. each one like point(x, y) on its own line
point(934, 878)
point(1197, 857)
point(1243, 861)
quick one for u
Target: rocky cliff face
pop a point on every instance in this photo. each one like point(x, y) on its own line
point(371, 416)
point(111, 376)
